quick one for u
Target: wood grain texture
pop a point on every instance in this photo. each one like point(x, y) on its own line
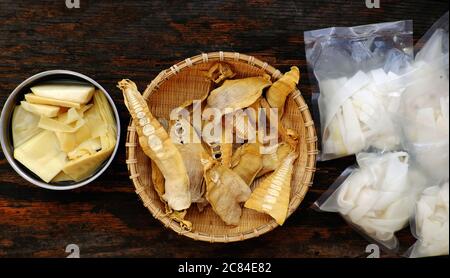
point(111, 40)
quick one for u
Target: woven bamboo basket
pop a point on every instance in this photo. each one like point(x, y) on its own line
point(186, 81)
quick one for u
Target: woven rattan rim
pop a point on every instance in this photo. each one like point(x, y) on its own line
point(311, 142)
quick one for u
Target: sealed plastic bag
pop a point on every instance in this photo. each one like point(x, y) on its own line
point(358, 71)
point(424, 113)
point(377, 198)
point(431, 226)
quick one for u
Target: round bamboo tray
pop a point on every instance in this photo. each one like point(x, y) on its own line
point(186, 81)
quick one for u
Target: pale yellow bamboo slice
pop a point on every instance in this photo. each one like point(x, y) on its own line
point(32, 98)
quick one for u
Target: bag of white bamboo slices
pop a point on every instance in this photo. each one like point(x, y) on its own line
point(430, 225)
point(424, 116)
point(376, 198)
point(424, 113)
point(358, 71)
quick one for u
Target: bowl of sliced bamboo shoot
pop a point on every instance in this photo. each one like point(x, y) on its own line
point(221, 147)
point(59, 130)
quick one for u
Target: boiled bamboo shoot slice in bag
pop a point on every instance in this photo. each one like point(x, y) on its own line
point(356, 112)
point(42, 155)
point(40, 109)
point(157, 144)
point(431, 227)
point(335, 142)
point(346, 196)
point(32, 98)
point(277, 93)
point(353, 135)
point(24, 126)
point(272, 195)
point(378, 197)
point(79, 93)
point(238, 93)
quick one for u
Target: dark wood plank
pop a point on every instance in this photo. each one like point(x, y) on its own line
point(111, 40)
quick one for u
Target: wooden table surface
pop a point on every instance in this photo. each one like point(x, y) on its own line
point(111, 40)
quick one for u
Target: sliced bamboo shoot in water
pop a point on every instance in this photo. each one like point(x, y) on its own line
point(95, 123)
point(57, 126)
point(40, 109)
point(88, 147)
point(83, 167)
point(64, 143)
point(105, 112)
point(24, 126)
point(62, 177)
point(63, 112)
point(42, 155)
point(70, 140)
point(78, 93)
point(72, 115)
point(32, 98)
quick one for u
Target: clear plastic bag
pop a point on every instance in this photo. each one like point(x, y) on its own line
point(430, 225)
point(424, 109)
point(424, 117)
point(377, 198)
point(359, 71)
